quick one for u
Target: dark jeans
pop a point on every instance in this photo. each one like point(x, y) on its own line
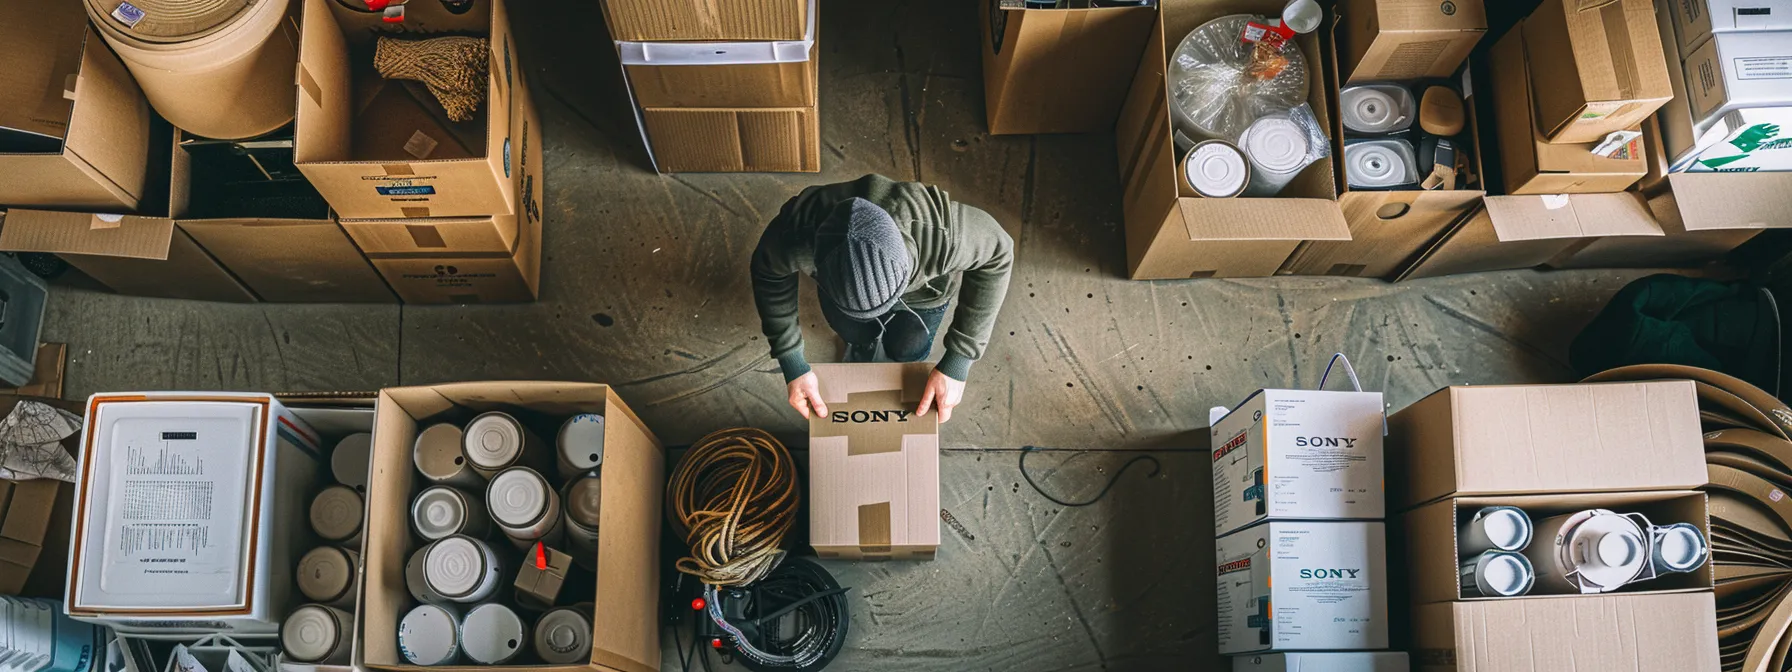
point(906, 333)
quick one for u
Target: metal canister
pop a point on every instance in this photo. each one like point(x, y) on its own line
point(584, 502)
point(1497, 574)
point(1494, 528)
point(579, 447)
point(349, 460)
point(430, 635)
point(1591, 551)
point(326, 575)
point(444, 511)
point(417, 582)
point(492, 634)
point(318, 634)
point(462, 569)
point(495, 441)
point(1215, 169)
point(1677, 548)
point(336, 515)
point(525, 507)
point(563, 636)
point(440, 458)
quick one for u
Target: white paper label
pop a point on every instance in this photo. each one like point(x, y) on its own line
point(1764, 67)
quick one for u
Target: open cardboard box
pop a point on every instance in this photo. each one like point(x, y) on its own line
point(626, 624)
point(35, 517)
point(383, 149)
point(1172, 232)
point(1433, 563)
point(333, 415)
point(167, 253)
point(1532, 439)
point(1624, 632)
point(74, 127)
point(1058, 70)
point(1387, 228)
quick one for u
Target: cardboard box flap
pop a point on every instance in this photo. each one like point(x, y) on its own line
point(1550, 216)
point(41, 44)
point(1031, 57)
point(1400, 16)
point(1654, 633)
point(1263, 219)
point(128, 236)
point(1733, 200)
point(111, 120)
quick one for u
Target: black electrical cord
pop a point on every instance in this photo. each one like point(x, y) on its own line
point(793, 619)
point(1155, 468)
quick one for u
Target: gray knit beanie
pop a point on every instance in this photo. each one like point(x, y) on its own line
point(861, 264)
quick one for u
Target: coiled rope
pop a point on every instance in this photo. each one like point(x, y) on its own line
point(733, 498)
point(454, 68)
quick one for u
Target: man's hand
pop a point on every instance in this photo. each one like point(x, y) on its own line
point(805, 392)
point(941, 391)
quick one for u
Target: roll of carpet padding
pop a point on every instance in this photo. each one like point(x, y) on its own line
point(215, 68)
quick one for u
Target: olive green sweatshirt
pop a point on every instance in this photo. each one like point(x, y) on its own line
point(957, 249)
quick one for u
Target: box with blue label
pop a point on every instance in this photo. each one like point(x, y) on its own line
point(384, 137)
point(1298, 454)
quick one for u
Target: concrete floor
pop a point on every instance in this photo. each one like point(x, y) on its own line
point(645, 287)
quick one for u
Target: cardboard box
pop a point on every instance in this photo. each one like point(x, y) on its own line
point(1675, 632)
point(1388, 229)
point(1607, 69)
point(1527, 439)
point(699, 20)
point(220, 568)
point(1739, 70)
point(1513, 232)
point(1433, 562)
point(1058, 70)
point(1313, 586)
point(734, 140)
point(1694, 21)
point(35, 518)
point(874, 468)
point(777, 84)
point(467, 277)
point(74, 127)
point(1532, 163)
point(1354, 661)
point(626, 621)
point(135, 255)
point(380, 159)
point(1679, 135)
point(1407, 39)
point(1298, 454)
point(1171, 232)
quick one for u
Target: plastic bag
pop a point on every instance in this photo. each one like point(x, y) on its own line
point(1280, 145)
point(1220, 83)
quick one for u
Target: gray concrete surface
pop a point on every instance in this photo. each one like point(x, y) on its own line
point(645, 287)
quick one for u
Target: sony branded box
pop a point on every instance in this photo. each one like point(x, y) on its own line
point(874, 466)
point(1303, 586)
point(1351, 661)
point(1298, 454)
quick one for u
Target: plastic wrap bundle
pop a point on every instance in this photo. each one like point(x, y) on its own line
point(1221, 84)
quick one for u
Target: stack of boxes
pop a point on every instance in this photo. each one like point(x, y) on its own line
point(1302, 550)
point(722, 87)
point(1733, 64)
point(446, 212)
point(1553, 452)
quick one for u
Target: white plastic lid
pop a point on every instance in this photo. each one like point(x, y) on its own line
point(517, 497)
point(563, 636)
point(1216, 170)
point(584, 501)
point(1379, 163)
point(1607, 549)
point(492, 634)
point(1373, 109)
point(348, 462)
point(1509, 530)
point(454, 566)
point(1276, 144)
point(1680, 547)
point(493, 441)
point(325, 574)
point(1505, 574)
point(439, 512)
point(438, 451)
point(581, 441)
point(428, 635)
point(310, 633)
point(336, 513)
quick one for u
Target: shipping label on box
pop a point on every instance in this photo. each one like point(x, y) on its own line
point(874, 466)
point(1353, 661)
point(1314, 586)
point(1306, 454)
